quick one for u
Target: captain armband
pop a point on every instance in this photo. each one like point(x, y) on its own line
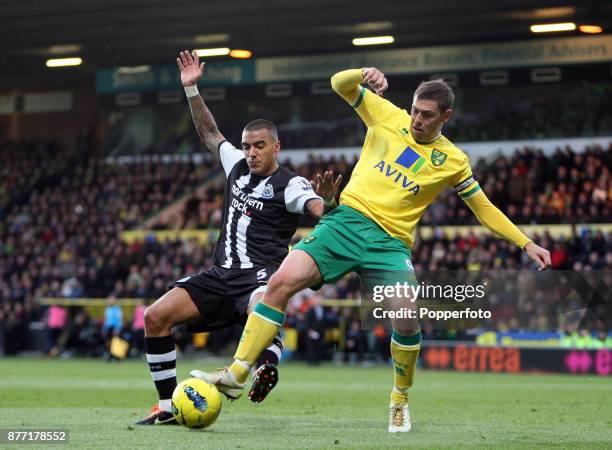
point(467, 188)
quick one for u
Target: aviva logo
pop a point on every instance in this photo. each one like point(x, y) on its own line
point(398, 177)
point(408, 159)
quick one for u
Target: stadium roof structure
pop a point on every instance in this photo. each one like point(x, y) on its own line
point(111, 33)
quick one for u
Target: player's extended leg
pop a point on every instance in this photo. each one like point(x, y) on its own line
point(174, 307)
point(405, 341)
point(386, 264)
point(298, 271)
point(336, 244)
point(405, 347)
point(265, 375)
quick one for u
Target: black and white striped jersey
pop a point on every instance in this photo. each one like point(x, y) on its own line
point(260, 215)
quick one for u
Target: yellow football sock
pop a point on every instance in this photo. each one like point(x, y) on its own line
point(404, 352)
point(261, 328)
point(398, 397)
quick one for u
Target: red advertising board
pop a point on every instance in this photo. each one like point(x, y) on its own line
point(513, 360)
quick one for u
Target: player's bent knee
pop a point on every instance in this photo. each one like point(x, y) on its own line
point(153, 320)
point(256, 297)
point(157, 319)
point(280, 287)
point(281, 281)
point(173, 308)
point(406, 327)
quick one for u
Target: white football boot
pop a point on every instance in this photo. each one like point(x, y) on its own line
point(399, 418)
point(223, 379)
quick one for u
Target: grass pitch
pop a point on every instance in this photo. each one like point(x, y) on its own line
point(321, 407)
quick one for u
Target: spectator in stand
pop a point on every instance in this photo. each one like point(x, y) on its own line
point(381, 343)
point(558, 256)
point(315, 328)
point(84, 337)
point(113, 319)
point(57, 317)
point(137, 341)
point(14, 328)
point(355, 342)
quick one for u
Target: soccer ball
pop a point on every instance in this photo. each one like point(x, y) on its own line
point(196, 403)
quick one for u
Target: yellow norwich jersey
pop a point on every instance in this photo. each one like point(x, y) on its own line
point(396, 178)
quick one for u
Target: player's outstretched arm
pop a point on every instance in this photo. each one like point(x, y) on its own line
point(347, 83)
point(371, 107)
point(496, 221)
point(191, 72)
point(325, 187)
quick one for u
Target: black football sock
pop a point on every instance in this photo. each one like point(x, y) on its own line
point(161, 356)
point(272, 354)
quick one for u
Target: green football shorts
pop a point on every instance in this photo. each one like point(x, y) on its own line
point(347, 241)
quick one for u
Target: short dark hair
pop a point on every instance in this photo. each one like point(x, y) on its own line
point(263, 124)
point(438, 91)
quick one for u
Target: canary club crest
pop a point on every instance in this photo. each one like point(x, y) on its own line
point(437, 157)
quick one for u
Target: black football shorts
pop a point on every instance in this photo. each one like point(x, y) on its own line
point(222, 295)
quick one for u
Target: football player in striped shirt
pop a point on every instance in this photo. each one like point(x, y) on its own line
point(261, 209)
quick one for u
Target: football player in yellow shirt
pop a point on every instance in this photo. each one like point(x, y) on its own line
point(405, 163)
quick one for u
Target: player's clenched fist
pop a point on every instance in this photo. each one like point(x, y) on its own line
point(538, 254)
point(375, 79)
point(191, 69)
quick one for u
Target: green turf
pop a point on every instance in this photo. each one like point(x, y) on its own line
point(324, 407)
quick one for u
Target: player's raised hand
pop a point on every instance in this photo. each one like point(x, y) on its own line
point(325, 186)
point(191, 69)
point(375, 79)
point(540, 255)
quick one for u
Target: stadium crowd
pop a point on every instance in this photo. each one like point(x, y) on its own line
point(61, 218)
